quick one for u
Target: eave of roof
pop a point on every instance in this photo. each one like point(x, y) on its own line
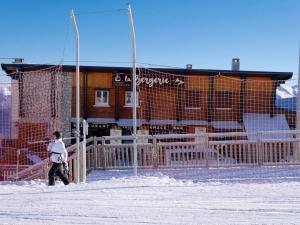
point(9, 68)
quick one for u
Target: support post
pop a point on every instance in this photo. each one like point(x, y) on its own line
point(206, 144)
point(103, 153)
point(210, 98)
point(155, 153)
point(85, 128)
point(133, 43)
point(260, 149)
point(95, 155)
point(18, 163)
point(242, 96)
point(76, 169)
point(77, 96)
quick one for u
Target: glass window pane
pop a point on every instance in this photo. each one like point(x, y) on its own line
point(101, 97)
point(105, 97)
point(98, 94)
point(128, 99)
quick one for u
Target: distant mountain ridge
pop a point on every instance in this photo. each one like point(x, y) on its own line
point(5, 97)
point(286, 97)
point(5, 110)
point(286, 91)
point(5, 90)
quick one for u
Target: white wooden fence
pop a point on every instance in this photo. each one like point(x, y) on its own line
point(174, 151)
point(190, 150)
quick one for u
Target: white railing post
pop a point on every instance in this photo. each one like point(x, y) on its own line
point(206, 144)
point(18, 163)
point(85, 128)
point(259, 149)
point(95, 155)
point(82, 162)
point(76, 169)
point(104, 159)
point(219, 149)
point(154, 154)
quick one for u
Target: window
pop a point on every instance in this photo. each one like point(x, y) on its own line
point(192, 99)
point(101, 97)
point(129, 98)
point(223, 100)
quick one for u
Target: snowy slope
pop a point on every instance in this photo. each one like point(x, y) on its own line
point(150, 200)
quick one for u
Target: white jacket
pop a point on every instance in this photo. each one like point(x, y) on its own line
point(58, 151)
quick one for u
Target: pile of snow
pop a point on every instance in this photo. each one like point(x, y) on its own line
point(234, 174)
point(157, 199)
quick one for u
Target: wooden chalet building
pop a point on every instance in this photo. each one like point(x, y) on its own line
point(106, 99)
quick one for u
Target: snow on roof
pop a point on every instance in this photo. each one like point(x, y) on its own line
point(264, 122)
point(226, 125)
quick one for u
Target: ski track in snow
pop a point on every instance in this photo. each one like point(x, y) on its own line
point(155, 199)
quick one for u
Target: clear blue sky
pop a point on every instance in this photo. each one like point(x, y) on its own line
point(265, 34)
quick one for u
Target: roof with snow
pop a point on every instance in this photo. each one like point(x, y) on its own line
point(9, 68)
point(255, 122)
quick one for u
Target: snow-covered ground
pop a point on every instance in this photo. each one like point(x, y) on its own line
point(158, 199)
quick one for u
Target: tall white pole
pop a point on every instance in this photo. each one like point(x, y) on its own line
point(77, 95)
point(133, 43)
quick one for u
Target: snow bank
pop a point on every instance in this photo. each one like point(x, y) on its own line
point(157, 199)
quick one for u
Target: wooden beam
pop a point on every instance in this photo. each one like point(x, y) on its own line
point(149, 104)
point(273, 98)
point(117, 103)
point(53, 97)
point(210, 98)
point(21, 95)
point(179, 94)
point(242, 99)
point(85, 95)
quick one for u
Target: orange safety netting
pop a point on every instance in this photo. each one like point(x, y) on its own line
point(30, 110)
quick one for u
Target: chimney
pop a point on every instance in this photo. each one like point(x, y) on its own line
point(189, 66)
point(18, 60)
point(235, 64)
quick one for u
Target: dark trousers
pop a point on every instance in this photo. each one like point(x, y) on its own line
point(56, 170)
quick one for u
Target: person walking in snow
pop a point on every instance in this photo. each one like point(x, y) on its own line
point(58, 157)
